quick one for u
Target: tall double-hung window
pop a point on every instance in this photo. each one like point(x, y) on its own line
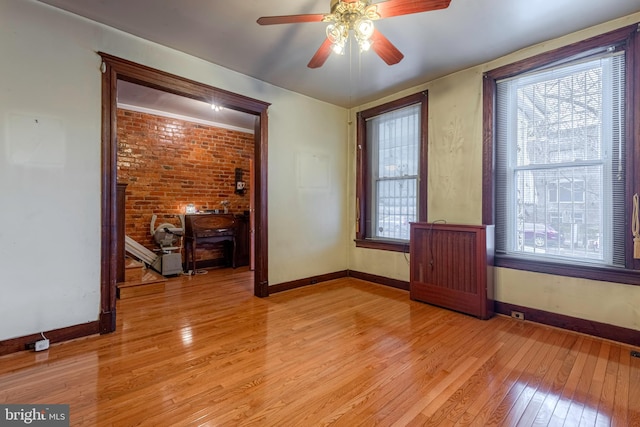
point(392, 163)
point(562, 181)
point(560, 146)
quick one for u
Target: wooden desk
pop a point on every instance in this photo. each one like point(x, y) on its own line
point(209, 228)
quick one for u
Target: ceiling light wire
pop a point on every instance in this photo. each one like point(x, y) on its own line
point(350, 72)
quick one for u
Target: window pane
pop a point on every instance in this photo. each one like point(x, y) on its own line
point(398, 143)
point(394, 139)
point(568, 223)
point(396, 207)
point(560, 116)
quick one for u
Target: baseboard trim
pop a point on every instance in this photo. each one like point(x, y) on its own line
point(107, 321)
point(56, 335)
point(381, 280)
point(589, 327)
point(286, 286)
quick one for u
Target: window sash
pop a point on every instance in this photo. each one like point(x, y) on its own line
point(394, 139)
point(365, 186)
point(510, 162)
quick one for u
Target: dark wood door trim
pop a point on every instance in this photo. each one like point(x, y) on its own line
point(115, 69)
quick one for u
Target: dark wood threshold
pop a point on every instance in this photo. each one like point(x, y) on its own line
point(589, 327)
point(57, 335)
point(281, 287)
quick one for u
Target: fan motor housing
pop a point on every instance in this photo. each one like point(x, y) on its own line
point(335, 3)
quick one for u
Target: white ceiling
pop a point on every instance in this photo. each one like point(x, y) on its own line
point(436, 43)
point(147, 100)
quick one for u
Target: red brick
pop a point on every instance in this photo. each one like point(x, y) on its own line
point(170, 163)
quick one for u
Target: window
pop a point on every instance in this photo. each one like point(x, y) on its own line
point(556, 129)
point(559, 127)
point(391, 188)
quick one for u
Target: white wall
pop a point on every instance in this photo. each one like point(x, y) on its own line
point(50, 102)
point(455, 194)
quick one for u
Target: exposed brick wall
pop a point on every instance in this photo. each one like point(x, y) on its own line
point(169, 163)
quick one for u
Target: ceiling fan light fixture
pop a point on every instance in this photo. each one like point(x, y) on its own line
point(215, 107)
point(363, 30)
point(338, 48)
point(364, 45)
point(346, 16)
point(337, 35)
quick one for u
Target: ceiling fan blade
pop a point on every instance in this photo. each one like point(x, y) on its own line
point(290, 19)
point(385, 49)
point(390, 8)
point(321, 55)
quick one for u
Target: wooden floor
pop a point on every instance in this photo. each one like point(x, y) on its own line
point(345, 352)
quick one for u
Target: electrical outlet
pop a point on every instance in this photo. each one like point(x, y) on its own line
point(517, 315)
point(42, 345)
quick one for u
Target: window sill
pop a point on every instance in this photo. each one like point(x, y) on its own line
point(605, 274)
point(383, 245)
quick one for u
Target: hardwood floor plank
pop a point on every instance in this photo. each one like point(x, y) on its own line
point(578, 405)
point(535, 412)
point(450, 359)
point(444, 380)
point(566, 398)
point(633, 404)
point(381, 400)
point(344, 352)
point(508, 384)
point(590, 411)
point(606, 403)
point(530, 379)
point(502, 380)
point(620, 414)
point(478, 384)
point(555, 389)
point(451, 404)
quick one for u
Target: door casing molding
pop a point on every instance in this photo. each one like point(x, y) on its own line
point(115, 69)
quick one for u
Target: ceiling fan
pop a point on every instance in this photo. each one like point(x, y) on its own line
point(358, 16)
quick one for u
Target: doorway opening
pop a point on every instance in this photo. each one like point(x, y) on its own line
point(177, 155)
point(115, 70)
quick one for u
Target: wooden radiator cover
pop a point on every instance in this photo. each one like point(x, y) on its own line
point(452, 266)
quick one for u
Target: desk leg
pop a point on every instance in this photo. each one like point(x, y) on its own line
point(193, 256)
point(233, 252)
point(185, 263)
